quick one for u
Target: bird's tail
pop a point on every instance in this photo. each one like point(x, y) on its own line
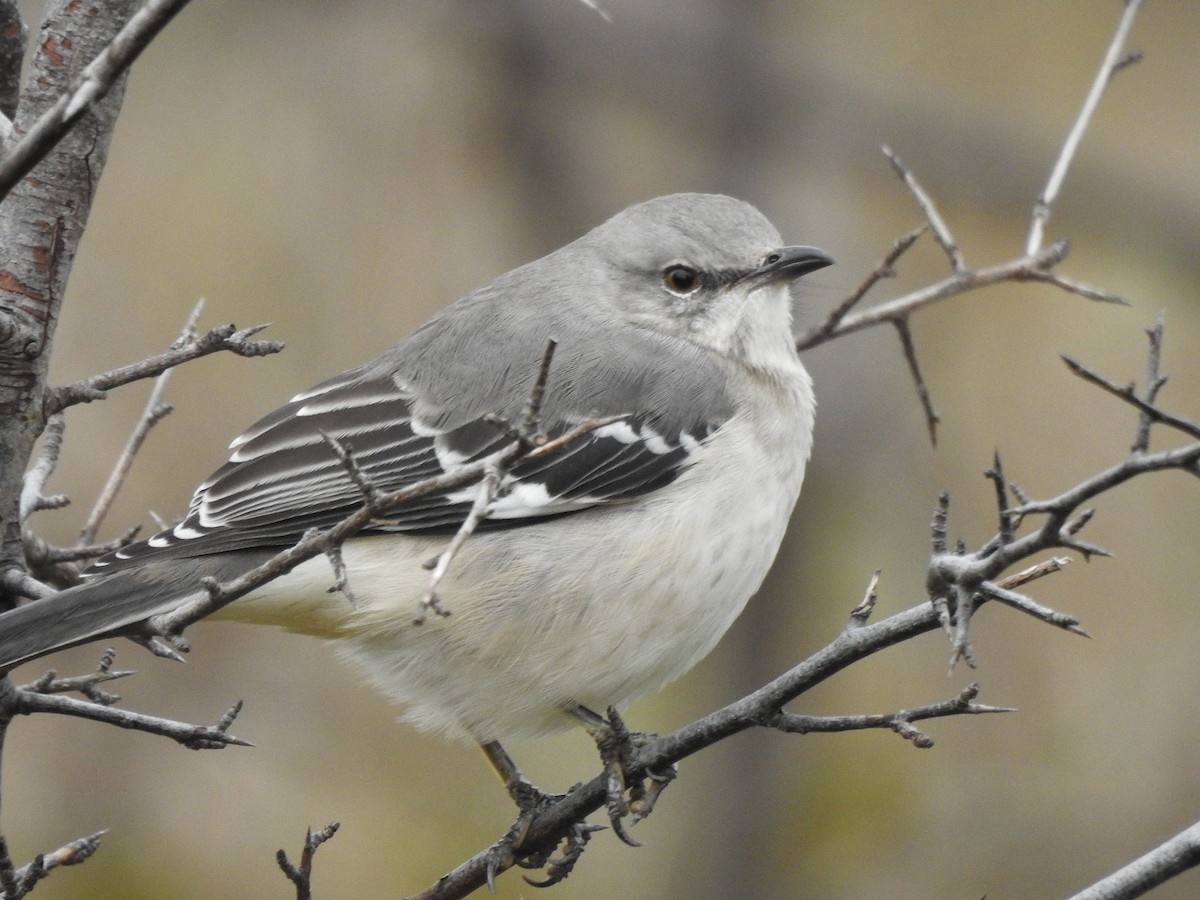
point(110, 605)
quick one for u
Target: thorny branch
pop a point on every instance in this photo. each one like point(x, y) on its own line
point(185, 349)
point(960, 580)
point(900, 722)
point(936, 224)
point(762, 708)
point(26, 701)
point(1037, 263)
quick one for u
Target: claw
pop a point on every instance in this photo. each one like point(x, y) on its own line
point(627, 794)
point(558, 869)
point(641, 806)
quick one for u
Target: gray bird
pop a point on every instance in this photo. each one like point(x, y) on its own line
point(601, 572)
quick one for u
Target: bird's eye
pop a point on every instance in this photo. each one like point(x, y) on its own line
point(681, 280)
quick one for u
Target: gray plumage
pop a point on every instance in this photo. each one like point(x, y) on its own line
point(673, 316)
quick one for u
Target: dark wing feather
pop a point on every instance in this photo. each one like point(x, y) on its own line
point(284, 478)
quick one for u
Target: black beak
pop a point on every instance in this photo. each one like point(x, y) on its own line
point(788, 264)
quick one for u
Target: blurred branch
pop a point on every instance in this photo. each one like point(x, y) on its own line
point(1037, 263)
point(93, 83)
point(940, 231)
point(1113, 63)
point(1036, 267)
point(1170, 858)
point(14, 37)
point(16, 883)
point(301, 876)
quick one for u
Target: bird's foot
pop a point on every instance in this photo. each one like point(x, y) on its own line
point(531, 803)
point(558, 868)
point(631, 789)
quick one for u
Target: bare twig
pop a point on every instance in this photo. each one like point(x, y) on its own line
point(1154, 383)
point(1031, 607)
point(301, 876)
point(489, 487)
point(899, 722)
point(223, 337)
point(22, 584)
point(1071, 286)
point(861, 613)
point(87, 685)
point(366, 487)
point(1113, 62)
point(194, 737)
point(19, 882)
point(1024, 269)
point(341, 575)
point(938, 528)
point(554, 445)
point(1037, 570)
point(910, 356)
point(532, 414)
point(93, 83)
point(1164, 862)
point(885, 269)
point(152, 413)
point(1129, 395)
point(41, 553)
point(940, 231)
point(995, 473)
point(33, 496)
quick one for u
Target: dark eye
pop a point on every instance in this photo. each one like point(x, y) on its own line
point(681, 279)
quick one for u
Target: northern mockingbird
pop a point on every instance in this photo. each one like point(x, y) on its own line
point(601, 572)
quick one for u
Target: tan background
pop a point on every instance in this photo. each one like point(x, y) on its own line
point(344, 169)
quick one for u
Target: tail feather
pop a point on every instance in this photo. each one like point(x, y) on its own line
point(110, 605)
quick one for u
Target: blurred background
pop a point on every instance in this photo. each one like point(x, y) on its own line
point(342, 170)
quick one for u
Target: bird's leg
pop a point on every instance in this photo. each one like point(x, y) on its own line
point(618, 751)
point(529, 799)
